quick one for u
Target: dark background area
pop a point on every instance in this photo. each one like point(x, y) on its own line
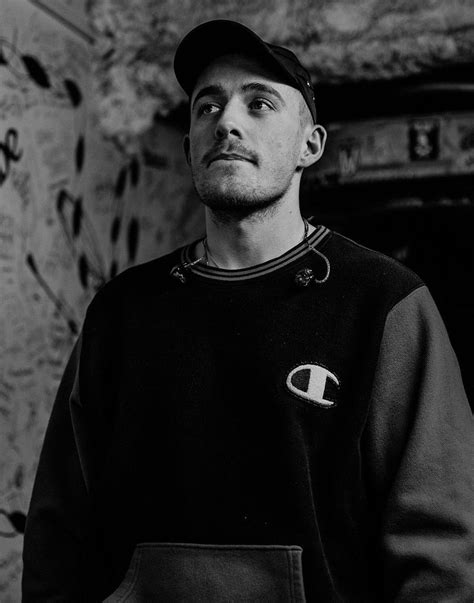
point(426, 223)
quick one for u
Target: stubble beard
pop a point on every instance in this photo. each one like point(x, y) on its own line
point(240, 202)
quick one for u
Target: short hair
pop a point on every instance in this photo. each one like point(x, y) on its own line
point(304, 113)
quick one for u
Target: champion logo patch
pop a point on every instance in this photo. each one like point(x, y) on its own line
point(314, 383)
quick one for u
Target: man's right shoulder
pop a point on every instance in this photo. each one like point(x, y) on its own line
point(148, 278)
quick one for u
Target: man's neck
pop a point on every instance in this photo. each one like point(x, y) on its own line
point(241, 243)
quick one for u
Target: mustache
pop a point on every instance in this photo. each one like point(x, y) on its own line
point(230, 150)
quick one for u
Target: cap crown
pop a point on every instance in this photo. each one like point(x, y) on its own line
point(210, 40)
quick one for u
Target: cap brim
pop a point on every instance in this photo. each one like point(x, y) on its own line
point(211, 40)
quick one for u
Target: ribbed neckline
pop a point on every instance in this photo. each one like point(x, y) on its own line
point(221, 274)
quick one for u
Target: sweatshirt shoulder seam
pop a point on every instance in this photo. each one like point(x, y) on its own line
point(404, 297)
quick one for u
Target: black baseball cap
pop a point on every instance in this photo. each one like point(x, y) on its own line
point(212, 39)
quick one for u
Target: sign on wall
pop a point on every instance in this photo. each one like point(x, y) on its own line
point(398, 148)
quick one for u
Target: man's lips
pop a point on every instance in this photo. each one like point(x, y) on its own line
point(229, 157)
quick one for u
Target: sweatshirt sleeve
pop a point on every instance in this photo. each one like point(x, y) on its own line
point(420, 447)
point(54, 546)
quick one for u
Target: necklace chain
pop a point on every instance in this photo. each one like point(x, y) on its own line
point(178, 271)
point(208, 255)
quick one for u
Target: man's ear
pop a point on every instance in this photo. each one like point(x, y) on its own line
point(313, 146)
point(186, 147)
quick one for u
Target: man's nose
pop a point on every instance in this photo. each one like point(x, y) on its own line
point(229, 123)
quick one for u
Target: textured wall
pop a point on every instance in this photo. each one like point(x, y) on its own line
point(73, 211)
point(339, 40)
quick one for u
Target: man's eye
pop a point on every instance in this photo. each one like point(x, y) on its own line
point(259, 104)
point(207, 109)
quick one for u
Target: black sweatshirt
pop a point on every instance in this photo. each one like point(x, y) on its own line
point(243, 436)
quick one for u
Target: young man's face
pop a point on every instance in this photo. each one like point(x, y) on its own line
point(246, 135)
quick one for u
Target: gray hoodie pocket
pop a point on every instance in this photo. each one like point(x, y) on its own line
point(202, 573)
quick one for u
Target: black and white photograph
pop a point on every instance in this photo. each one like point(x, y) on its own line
point(236, 316)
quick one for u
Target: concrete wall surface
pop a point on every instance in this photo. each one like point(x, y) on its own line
point(338, 41)
point(74, 210)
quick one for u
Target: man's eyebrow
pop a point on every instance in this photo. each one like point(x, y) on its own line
point(265, 88)
point(207, 91)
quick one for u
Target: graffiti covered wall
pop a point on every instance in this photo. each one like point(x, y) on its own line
point(73, 212)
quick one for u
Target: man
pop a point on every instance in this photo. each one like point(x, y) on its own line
point(273, 413)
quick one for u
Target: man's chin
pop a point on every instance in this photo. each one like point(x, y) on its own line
point(238, 205)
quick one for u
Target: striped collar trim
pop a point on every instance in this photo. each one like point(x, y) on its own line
point(222, 274)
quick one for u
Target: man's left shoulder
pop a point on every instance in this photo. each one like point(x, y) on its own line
point(369, 269)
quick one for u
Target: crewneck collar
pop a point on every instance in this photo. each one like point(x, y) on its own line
point(222, 274)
